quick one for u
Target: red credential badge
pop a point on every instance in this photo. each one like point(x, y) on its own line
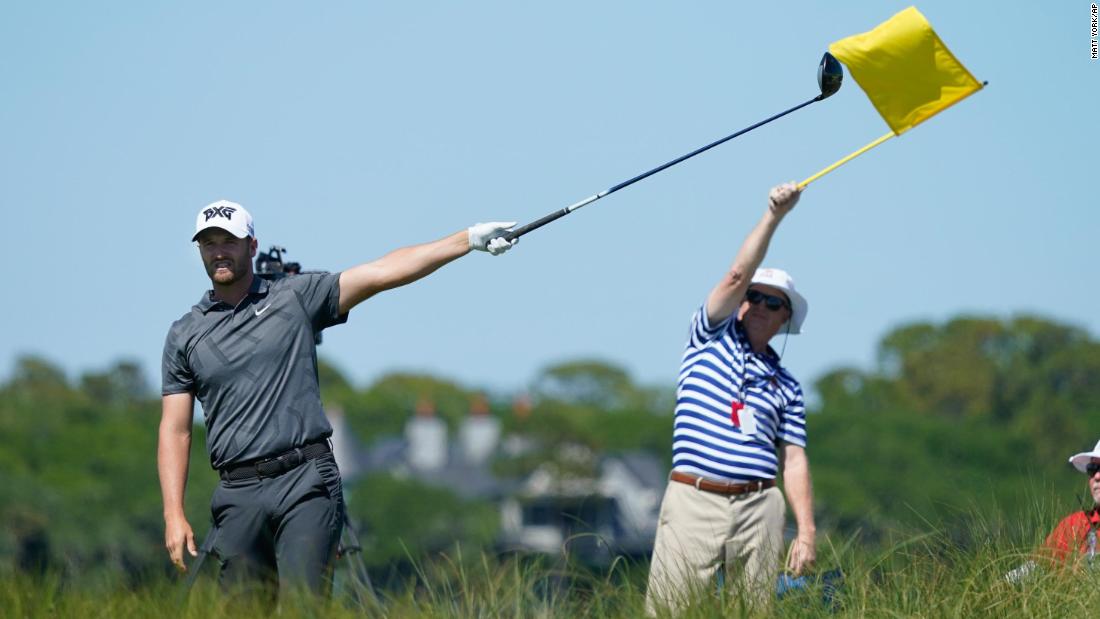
point(735, 412)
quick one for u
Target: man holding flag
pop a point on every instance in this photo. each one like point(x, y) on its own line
point(739, 417)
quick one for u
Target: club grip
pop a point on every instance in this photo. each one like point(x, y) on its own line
point(538, 223)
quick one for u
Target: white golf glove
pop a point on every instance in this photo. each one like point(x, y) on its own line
point(488, 237)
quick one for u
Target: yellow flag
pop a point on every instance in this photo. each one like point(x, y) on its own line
point(905, 69)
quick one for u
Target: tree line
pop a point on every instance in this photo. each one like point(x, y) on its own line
point(975, 413)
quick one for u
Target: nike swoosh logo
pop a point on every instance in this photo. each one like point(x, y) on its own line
point(260, 311)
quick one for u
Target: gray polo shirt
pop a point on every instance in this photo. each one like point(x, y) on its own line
point(254, 367)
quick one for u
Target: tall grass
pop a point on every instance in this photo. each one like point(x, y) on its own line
point(948, 570)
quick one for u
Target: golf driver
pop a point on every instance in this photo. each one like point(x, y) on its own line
point(829, 77)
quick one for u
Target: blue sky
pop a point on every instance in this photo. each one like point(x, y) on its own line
point(352, 128)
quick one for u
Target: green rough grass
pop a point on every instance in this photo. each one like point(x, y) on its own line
point(956, 572)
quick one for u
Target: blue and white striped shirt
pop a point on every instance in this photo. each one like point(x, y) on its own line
point(719, 368)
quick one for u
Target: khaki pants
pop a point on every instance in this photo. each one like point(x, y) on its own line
point(699, 531)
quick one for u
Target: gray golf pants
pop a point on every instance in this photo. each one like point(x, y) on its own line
point(285, 527)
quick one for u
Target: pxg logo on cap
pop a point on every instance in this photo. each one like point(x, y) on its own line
point(219, 211)
point(228, 216)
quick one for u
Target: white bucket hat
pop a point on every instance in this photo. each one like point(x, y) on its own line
point(1081, 460)
point(228, 216)
point(778, 278)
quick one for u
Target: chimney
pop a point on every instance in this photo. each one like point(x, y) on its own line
point(521, 406)
point(479, 432)
point(427, 438)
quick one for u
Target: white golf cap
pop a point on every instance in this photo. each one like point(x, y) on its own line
point(228, 216)
point(1081, 460)
point(778, 278)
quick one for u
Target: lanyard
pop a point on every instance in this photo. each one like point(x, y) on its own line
point(738, 403)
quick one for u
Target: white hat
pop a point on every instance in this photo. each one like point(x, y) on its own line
point(1081, 460)
point(778, 278)
point(228, 216)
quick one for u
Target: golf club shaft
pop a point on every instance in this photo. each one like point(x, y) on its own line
point(196, 565)
point(520, 231)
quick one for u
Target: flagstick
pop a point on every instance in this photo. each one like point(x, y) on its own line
point(845, 160)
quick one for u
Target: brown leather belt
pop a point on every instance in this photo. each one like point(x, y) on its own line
point(720, 487)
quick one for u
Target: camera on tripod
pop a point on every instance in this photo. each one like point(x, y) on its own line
point(270, 264)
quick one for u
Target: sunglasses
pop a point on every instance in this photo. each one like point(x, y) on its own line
point(1092, 467)
point(771, 302)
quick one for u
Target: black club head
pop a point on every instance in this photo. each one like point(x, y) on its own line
point(829, 76)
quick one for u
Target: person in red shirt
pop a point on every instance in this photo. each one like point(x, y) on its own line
point(1075, 536)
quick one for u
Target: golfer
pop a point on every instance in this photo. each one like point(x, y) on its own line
point(739, 418)
point(246, 350)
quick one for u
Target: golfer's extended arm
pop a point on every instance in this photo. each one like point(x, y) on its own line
point(399, 267)
point(799, 489)
point(725, 297)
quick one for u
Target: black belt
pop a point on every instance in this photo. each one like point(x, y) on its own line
point(275, 466)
